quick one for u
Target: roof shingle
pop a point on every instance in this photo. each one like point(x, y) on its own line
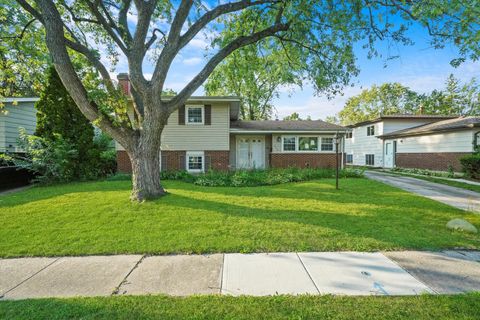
point(283, 125)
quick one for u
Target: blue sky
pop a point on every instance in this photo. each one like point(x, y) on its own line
point(419, 67)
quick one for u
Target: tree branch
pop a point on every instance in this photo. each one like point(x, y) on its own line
point(108, 27)
point(56, 44)
point(239, 42)
point(215, 13)
point(22, 33)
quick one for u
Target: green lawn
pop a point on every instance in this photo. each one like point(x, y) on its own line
point(224, 307)
point(98, 218)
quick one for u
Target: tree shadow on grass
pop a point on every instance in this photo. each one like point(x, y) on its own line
point(392, 226)
point(38, 193)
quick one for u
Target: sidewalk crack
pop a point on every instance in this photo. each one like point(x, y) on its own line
point(116, 291)
point(28, 278)
point(308, 273)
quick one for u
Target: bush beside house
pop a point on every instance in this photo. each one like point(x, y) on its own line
point(65, 146)
point(251, 178)
point(471, 165)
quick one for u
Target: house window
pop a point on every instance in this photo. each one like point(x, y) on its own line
point(289, 144)
point(349, 135)
point(370, 159)
point(370, 130)
point(327, 144)
point(349, 158)
point(195, 161)
point(194, 114)
point(308, 143)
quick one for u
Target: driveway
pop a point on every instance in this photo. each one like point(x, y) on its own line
point(455, 197)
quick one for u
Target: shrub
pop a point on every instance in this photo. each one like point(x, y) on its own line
point(52, 159)
point(57, 159)
point(250, 178)
point(430, 173)
point(471, 165)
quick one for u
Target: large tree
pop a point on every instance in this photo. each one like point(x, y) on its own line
point(323, 33)
point(385, 99)
point(456, 98)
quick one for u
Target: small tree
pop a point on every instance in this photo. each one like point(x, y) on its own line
point(61, 123)
point(57, 114)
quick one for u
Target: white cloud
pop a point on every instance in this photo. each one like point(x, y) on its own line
point(316, 107)
point(198, 43)
point(192, 61)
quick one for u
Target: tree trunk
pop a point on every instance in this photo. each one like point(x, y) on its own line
point(146, 174)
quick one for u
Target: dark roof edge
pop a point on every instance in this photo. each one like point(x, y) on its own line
point(428, 132)
point(393, 117)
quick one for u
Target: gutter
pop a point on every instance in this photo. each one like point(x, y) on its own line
point(386, 136)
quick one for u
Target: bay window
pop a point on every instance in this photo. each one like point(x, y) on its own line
point(307, 143)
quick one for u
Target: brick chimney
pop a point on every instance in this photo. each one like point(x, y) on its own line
point(124, 83)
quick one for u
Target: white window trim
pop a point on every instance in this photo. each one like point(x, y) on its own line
point(333, 144)
point(368, 130)
point(195, 154)
point(191, 106)
point(346, 157)
point(297, 146)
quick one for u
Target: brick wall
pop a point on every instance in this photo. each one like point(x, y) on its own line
point(218, 160)
point(303, 160)
point(175, 160)
point(431, 161)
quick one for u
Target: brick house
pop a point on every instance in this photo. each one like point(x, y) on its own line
point(206, 133)
point(413, 141)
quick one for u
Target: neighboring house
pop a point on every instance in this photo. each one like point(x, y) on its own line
point(207, 134)
point(411, 141)
point(17, 113)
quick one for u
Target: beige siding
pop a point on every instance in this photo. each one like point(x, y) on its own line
point(459, 141)
point(23, 115)
point(199, 137)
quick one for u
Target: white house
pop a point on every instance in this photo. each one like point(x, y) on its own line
point(16, 113)
point(412, 141)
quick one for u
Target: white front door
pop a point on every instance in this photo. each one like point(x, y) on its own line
point(389, 155)
point(250, 152)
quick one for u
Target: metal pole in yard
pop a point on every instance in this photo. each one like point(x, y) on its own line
point(336, 160)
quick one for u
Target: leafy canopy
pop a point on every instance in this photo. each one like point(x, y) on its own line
point(393, 98)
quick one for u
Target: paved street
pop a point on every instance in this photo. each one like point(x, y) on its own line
point(455, 197)
point(343, 273)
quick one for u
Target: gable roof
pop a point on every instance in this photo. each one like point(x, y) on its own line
point(284, 125)
point(460, 123)
point(233, 101)
point(434, 117)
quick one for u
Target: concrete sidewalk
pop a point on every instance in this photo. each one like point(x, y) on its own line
point(344, 273)
point(455, 197)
